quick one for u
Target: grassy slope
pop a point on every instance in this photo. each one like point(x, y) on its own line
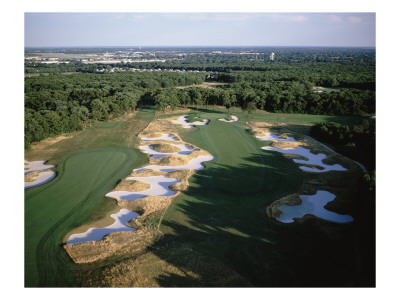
point(89, 165)
point(222, 216)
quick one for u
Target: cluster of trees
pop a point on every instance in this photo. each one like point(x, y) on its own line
point(291, 90)
point(357, 142)
point(64, 103)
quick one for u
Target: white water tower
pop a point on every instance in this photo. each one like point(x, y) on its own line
point(272, 56)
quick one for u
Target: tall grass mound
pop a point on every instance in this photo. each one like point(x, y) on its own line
point(165, 148)
point(132, 186)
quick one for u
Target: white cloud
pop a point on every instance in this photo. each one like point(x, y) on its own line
point(289, 18)
point(221, 17)
point(353, 19)
point(335, 18)
point(235, 17)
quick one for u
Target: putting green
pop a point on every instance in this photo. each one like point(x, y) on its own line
point(55, 208)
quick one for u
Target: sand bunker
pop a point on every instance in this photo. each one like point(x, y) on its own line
point(182, 121)
point(313, 205)
point(235, 119)
point(165, 137)
point(39, 165)
point(313, 159)
point(159, 187)
point(185, 150)
point(272, 137)
point(96, 234)
point(40, 179)
point(195, 164)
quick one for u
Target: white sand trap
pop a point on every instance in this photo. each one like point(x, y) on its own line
point(235, 119)
point(42, 178)
point(194, 164)
point(272, 137)
point(313, 205)
point(185, 150)
point(159, 187)
point(39, 165)
point(182, 121)
point(313, 159)
point(165, 137)
point(96, 234)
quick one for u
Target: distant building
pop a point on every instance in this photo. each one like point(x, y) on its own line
point(272, 56)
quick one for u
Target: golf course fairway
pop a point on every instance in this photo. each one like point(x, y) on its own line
point(53, 209)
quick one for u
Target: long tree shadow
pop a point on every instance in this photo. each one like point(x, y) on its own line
point(217, 237)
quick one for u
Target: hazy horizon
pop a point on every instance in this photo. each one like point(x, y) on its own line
point(58, 30)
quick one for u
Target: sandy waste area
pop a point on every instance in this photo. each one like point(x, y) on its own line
point(310, 158)
point(311, 204)
point(96, 234)
point(148, 149)
point(158, 187)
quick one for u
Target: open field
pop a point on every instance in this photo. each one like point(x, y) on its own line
point(215, 233)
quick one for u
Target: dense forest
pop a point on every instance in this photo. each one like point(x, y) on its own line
point(350, 141)
point(59, 103)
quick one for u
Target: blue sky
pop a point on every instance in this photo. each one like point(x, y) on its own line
point(199, 29)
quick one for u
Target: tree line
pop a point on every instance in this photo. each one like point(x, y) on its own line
point(58, 103)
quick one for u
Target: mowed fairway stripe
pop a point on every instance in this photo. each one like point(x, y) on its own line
point(53, 210)
point(238, 166)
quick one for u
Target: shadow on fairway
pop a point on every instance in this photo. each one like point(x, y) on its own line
point(221, 238)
